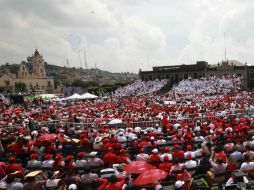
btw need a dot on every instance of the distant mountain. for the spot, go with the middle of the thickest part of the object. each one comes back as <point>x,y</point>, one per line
<point>66,75</point>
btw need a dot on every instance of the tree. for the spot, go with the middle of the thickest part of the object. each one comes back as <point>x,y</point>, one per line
<point>20,87</point>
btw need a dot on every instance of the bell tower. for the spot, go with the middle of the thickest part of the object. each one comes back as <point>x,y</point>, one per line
<point>38,65</point>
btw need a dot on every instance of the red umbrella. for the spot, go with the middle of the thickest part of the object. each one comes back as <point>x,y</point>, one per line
<point>150,176</point>
<point>137,167</point>
<point>47,137</point>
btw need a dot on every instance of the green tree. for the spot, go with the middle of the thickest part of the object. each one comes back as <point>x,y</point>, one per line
<point>20,87</point>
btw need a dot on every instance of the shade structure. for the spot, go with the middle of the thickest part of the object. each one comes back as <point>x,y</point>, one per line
<point>115,121</point>
<point>46,96</point>
<point>88,96</point>
<point>137,167</point>
<point>47,137</point>
<point>150,176</point>
<point>74,97</point>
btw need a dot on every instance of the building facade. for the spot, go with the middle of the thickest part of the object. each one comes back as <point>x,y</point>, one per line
<point>201,69</point>
<point>34,79</point>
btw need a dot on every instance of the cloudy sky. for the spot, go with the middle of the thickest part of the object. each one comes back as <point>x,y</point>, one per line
<point>127,35</point>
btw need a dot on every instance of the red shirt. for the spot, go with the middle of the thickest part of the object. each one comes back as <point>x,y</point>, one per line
<point>115,186</point>
<point>13,167</point>
<point>110,158</point>
<point>178,154</point>
<point>166,166</point>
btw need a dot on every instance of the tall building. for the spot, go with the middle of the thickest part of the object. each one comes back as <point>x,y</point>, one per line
<point>201,69</point>
<point>35,79</point>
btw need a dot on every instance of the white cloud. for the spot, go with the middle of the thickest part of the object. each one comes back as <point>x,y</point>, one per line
<point>126,35</point>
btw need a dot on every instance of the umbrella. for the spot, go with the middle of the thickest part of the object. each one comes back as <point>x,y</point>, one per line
<point>115,121</point>
<point>137,167</point>
<point>47,137</point>
<point>150,176</point>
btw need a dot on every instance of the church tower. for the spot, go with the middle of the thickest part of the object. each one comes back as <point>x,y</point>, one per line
<point>38,65</point>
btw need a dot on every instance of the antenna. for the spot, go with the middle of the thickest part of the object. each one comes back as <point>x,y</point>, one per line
<point>225,47</point>
<point>80,59</point>
<point>86,67</point>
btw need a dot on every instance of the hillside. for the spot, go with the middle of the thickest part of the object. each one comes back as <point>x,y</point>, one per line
<point>66,75</point>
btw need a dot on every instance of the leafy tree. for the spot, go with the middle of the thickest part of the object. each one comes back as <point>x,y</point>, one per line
<point>20,87</point>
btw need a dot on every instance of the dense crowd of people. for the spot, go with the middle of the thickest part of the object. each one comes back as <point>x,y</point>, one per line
<point>208,86</point>
<point>72,145</point>
<point>140,87</point>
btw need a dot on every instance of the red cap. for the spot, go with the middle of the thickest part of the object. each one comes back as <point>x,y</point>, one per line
<point>122,151</point>
<point>12,159</point>
<point>81,154</point>
<point>69,157</point>
<point>166,148</point>
<point>48,156</point>
<point>176,146</point>
<point>33,156</point>
<point>189,147</point>
<point>59,157</point>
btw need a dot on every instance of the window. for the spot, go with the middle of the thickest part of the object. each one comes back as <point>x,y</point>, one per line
<point>251,74</point>
<point>49,83</point>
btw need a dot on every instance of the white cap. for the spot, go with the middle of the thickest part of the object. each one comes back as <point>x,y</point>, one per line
<point>73,187</point>
<point>179,184</point>
<point>155,151</point>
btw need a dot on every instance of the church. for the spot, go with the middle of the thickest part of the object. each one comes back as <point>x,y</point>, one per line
<point>35,79</point>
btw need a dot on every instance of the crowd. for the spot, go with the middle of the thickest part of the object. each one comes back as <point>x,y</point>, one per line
<point>140,87</point>
<point>205,142</point>
<point>208,86</point>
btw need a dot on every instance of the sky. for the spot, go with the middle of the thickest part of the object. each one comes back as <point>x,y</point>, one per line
<point>127,35</point>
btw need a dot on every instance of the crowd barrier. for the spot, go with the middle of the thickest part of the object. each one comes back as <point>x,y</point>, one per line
<point>143,122</point>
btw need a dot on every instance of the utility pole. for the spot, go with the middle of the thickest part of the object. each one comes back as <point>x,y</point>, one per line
<point>67,63</point>
<point>80,59</point>
<point>85,61</point>
<point>225,47</point>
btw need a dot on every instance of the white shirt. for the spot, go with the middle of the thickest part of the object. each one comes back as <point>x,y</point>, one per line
<point>247,166</point>
<point>189,152</point>
<point>191,164</point>
<point>165,154</point>
<point>47,163</point>
<point>81,163</point>
<point>231,181</point>
<point>142,156</point>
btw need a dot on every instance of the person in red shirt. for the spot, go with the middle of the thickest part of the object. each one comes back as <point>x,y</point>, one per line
<point>110,158</point>
<point>123,158</point>
<point>155,157</point>
<point>115,183</point>
<point>177,153</point>
<point>220,154</point>
<point>166,165</point>
<point>116,145</point>
<point>13,167</point>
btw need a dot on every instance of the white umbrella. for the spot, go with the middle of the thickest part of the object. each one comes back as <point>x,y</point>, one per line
<point>88,96</point>
<point>73,97</point>
<point>115,121</point>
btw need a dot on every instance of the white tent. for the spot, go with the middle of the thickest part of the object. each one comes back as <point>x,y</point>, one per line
<point>88,96</point>
<point>74,97</point>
